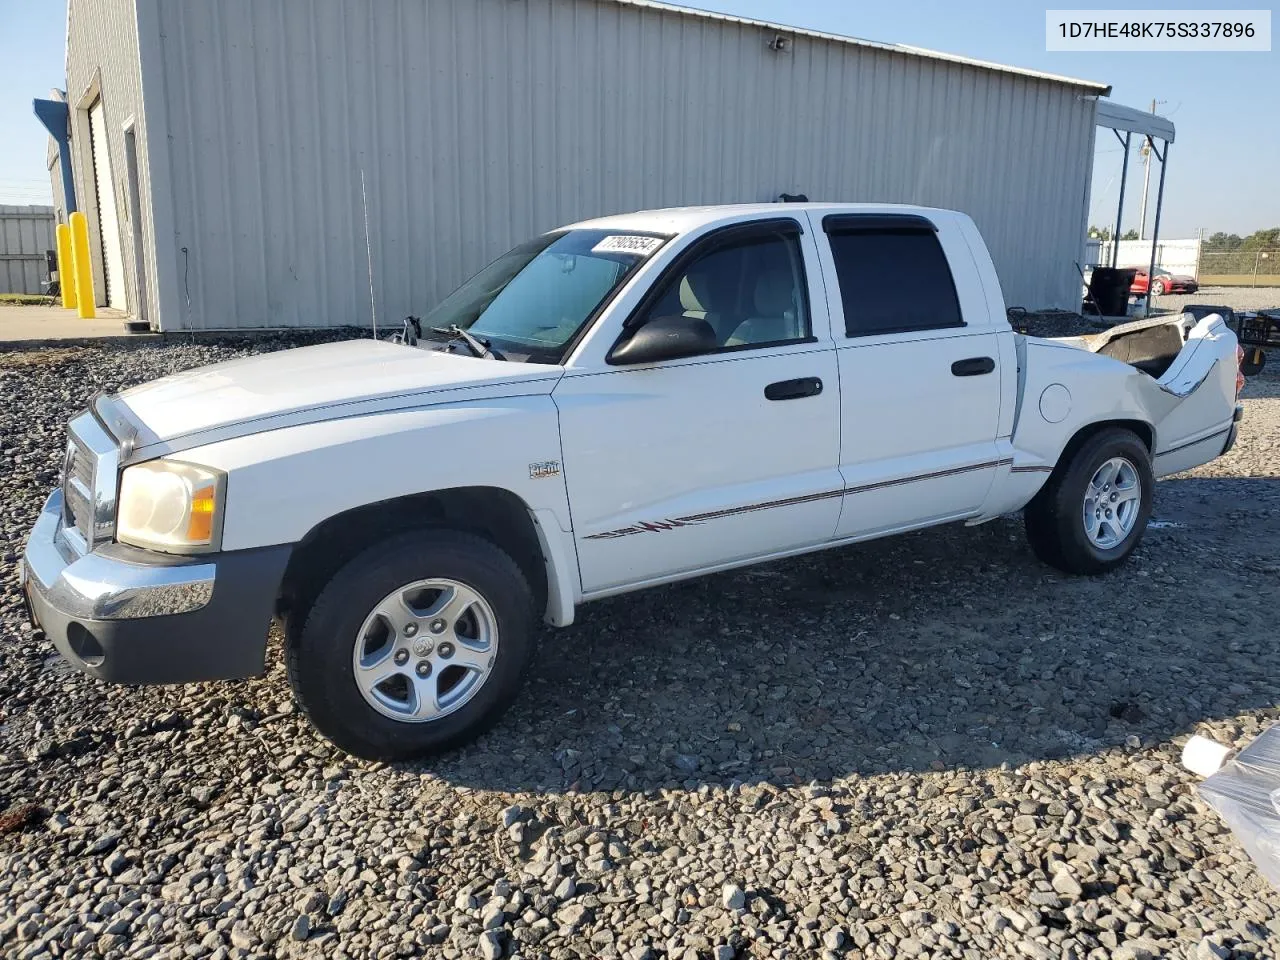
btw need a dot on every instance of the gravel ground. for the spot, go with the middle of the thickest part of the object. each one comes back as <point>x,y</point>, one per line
<point>929,746</point>
<point>1238,298</point>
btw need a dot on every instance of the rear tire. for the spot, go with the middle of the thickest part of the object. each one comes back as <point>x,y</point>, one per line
<point>1092,512</point>
<point>1157,288</point>
<point>397,609</point>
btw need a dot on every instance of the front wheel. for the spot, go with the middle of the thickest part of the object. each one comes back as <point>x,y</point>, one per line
<point>1092,513</point>
<point>1157,288</point>
<point>415,646</point>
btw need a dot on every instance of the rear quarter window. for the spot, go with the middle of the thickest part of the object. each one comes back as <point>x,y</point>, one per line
<point>893,280</point>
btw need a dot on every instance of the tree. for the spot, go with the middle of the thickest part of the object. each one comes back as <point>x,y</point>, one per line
<point>1099,233</point>
<point>1130,235</point>
<point>1258,240</point>
<point>1262,240</point>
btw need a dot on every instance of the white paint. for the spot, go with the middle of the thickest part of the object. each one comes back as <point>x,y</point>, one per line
<point>658,442</point>
<point>276,390</point>
<point>682,467</point>
<point>284,482</point>
<point>686,438</point>
<point>1055,403</point>
<point>108,216</point>
<point>903,414</point>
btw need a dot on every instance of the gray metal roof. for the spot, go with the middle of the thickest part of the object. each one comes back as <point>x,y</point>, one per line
<point>1101,89</point>
<point>1119,117</point>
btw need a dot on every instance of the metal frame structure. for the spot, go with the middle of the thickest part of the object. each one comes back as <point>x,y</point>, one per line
<point>1153,127</point>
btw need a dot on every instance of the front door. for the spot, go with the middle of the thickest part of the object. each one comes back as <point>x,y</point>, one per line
<point>704,461</point>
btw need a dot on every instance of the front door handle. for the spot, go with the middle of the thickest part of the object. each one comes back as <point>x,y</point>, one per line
<point>973,367</point>
<point>793,389</point>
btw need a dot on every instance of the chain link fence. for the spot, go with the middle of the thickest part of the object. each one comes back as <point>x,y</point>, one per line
<point>1240,268</point>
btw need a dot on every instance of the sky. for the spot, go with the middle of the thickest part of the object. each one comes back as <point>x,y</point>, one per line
<point>1224,168</point>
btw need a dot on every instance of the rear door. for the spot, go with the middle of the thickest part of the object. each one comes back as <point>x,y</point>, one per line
<point>919,372</point>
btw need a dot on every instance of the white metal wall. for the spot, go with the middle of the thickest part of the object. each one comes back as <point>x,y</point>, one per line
<point>26,235</point>
<point>1172,256</point>
<point>480,122</point>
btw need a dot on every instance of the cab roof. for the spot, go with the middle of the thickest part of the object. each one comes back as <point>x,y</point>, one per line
<point>677,220</point>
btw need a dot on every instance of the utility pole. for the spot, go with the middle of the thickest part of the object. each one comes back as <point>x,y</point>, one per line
<point>1146,179</point>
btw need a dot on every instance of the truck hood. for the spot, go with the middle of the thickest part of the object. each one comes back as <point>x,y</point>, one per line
<point>305,385</point>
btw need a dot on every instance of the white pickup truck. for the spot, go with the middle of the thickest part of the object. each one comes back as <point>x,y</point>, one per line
<point>613,405</point>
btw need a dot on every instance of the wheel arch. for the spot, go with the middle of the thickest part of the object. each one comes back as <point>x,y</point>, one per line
<point>1144,430</point>
<point>494,513</point>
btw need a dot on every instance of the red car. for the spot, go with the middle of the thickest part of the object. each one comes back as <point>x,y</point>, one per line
<point>1164,283</point>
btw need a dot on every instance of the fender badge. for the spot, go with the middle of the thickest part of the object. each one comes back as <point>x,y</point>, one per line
<point>544,469</point>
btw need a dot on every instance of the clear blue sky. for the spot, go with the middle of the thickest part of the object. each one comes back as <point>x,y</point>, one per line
<point>1224,170</point>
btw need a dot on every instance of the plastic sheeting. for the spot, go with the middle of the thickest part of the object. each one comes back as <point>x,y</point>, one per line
<point>1246,792</point>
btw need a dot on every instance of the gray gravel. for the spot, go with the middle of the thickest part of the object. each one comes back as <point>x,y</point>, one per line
<point>1237,298</point>
<point>930,746</point>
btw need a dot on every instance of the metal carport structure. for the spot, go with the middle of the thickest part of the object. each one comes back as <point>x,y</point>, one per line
<point>1119,118</point>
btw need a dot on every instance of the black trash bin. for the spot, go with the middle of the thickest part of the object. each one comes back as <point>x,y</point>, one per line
<point>1109,289</point>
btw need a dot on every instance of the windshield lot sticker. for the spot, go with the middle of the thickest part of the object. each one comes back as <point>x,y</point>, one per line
<point>628,243</point>
<point>544,469</point>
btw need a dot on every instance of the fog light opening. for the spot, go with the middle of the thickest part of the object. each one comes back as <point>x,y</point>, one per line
<point>85,645</point>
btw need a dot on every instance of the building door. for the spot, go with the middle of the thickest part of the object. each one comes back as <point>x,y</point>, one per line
<point>108,216</point>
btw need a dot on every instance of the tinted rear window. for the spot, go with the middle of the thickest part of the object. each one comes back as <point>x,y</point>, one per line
<point>893,280</point>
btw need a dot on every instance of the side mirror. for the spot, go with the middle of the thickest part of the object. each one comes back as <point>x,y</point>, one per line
<point>666,338</point>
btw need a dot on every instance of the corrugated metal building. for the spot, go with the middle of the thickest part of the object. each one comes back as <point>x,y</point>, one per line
<point>223,143</point>
<point>26,237</point>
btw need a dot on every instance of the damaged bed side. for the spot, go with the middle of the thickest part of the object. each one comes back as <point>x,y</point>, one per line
<point>1174,379</point>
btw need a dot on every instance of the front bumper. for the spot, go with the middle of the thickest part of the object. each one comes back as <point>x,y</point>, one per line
<point>134,616</point>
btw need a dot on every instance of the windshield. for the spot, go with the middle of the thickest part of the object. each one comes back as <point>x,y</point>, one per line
<point>533,300</point>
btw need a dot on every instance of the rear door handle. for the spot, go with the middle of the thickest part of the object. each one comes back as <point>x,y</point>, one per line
<point>793,389</point>
<point>973,366</point>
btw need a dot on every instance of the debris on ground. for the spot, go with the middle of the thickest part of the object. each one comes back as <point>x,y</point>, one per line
<point>19,817</point>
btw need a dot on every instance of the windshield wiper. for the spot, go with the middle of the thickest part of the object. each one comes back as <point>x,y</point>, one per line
<point>477,346</point>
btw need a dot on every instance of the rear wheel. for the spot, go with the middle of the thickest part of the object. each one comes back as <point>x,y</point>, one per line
<point>1157,288</point>
<point>1092,513</point>
<point>416,646</point>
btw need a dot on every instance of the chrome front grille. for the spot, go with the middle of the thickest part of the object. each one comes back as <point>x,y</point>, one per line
<point>82,465</point>
<point>77,488</point>
<point>89,475</point>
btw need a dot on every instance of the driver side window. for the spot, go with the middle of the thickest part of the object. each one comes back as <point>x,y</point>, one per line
<point>750,290</point>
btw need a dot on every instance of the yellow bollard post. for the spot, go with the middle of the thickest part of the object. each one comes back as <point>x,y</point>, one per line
<point>80,264</point>
<point>66,270</point>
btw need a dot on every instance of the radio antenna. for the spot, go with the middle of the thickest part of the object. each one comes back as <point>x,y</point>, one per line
<point>368,249</point>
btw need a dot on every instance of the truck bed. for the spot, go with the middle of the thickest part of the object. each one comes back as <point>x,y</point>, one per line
<point>1153,345</point>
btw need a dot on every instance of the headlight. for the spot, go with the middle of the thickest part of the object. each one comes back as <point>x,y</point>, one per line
<point>170,506</point>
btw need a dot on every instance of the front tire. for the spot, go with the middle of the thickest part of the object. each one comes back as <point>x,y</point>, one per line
<point>1157,288</point>
<point>1092,512</point>
<point>414,647</point>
